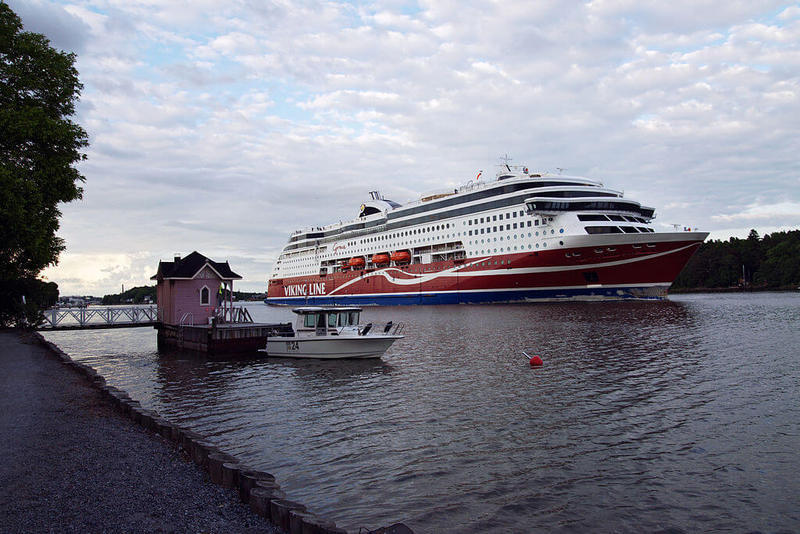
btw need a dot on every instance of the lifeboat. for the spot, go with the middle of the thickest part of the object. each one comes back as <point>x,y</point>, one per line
<point>356,262</point>
<point>380,259</point>
<point>401,256</point>
<point>345,265</point>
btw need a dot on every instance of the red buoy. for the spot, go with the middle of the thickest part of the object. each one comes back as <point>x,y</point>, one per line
<point>536,362</point>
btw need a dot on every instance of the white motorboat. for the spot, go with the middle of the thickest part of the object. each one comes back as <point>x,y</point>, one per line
<point>329,332</point>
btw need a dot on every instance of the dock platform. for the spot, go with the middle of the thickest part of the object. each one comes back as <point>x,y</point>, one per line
<point>222,339</point>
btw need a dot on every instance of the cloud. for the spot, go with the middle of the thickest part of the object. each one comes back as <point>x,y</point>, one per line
<point>65,30</point>
<point>760,212</point>
<point>223,127</point>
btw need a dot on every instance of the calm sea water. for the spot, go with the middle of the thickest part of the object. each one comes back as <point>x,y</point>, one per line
<point>681,415</point>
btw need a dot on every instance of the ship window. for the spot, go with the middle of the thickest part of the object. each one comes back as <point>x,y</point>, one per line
<point>332,320</point>
<point>529,224</point>
<point>515,226</point>
<point>310,320</point>
<point>603,230</point>
<point>515,214</point>
<point>481,220</point>
<point>494,217</point>
<point>508,227</point>
<point>629,230</point>
<point>592,217</point>
<point>494,228</point>
<point>501,216</point>
<point>616,217</point>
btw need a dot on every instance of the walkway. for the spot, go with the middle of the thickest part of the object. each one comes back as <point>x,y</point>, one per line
<point>70,463</point>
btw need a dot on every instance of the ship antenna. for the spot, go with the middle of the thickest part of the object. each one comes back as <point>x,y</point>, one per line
<point>506,160</point>
<point>560,169</point>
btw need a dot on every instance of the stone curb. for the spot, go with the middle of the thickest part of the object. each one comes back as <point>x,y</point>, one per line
<point>256,488</point>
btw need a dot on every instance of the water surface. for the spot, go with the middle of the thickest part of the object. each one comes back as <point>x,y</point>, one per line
<point>680,415</point>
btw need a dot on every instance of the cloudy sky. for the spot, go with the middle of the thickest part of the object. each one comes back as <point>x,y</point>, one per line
<point>222,126</point>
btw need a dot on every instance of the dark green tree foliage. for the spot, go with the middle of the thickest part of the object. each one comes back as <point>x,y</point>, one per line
<point>134,294</point>
<point>39,145</point>
<point>770,263</point>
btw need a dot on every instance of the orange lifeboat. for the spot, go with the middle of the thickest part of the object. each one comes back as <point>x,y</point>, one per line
<point>380,259</point>
<point>401,256</point>
<point>356,262</point>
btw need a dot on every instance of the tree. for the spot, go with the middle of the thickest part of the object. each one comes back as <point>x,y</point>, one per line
<point>39,146</point>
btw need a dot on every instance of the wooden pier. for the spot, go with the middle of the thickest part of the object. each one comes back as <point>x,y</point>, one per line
<point>99,317</point>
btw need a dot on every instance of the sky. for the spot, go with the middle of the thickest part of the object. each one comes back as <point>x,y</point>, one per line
<point>223,126</point>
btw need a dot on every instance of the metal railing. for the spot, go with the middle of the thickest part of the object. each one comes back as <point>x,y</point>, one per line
<point>235,314</point>
<point>56,318</point>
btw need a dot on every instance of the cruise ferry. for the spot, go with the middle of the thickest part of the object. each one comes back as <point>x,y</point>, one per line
<point>522,236</point>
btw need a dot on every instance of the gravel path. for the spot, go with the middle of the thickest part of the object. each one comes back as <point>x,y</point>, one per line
<point>70,463</point>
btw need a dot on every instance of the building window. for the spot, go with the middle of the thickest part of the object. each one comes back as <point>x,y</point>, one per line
<point>204,296</point>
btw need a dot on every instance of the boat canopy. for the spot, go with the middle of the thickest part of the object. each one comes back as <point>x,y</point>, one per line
<point>305,310</point>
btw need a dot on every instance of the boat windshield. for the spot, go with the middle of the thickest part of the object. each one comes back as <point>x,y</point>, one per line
<point>335,319</point>
<point>344,319</point>
<point>310,320</point>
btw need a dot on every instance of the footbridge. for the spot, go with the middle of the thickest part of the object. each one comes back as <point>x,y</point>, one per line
<point>99,317</point>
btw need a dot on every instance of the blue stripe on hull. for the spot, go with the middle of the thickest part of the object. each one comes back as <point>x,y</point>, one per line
<point>481,297</point>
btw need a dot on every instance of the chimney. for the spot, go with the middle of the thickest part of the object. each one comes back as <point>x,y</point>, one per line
<point>177,257</point>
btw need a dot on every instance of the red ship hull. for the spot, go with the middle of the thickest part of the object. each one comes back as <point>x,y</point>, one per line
<point>639,270</point>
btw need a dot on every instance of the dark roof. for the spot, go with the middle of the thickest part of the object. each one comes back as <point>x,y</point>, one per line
<point>188,267</point>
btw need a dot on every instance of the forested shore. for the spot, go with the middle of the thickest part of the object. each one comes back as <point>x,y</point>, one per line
<point>768,262</point>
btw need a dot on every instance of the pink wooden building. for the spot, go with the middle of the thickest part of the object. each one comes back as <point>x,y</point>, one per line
<point>193,289</point>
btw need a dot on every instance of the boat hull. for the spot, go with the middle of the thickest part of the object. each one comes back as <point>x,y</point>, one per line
<point>593,268</point>
<point>332,347</point>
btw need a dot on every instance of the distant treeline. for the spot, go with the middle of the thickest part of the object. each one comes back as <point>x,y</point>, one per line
<point>138,295</point>
<point>771,262</point>
<point>135,295</point>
